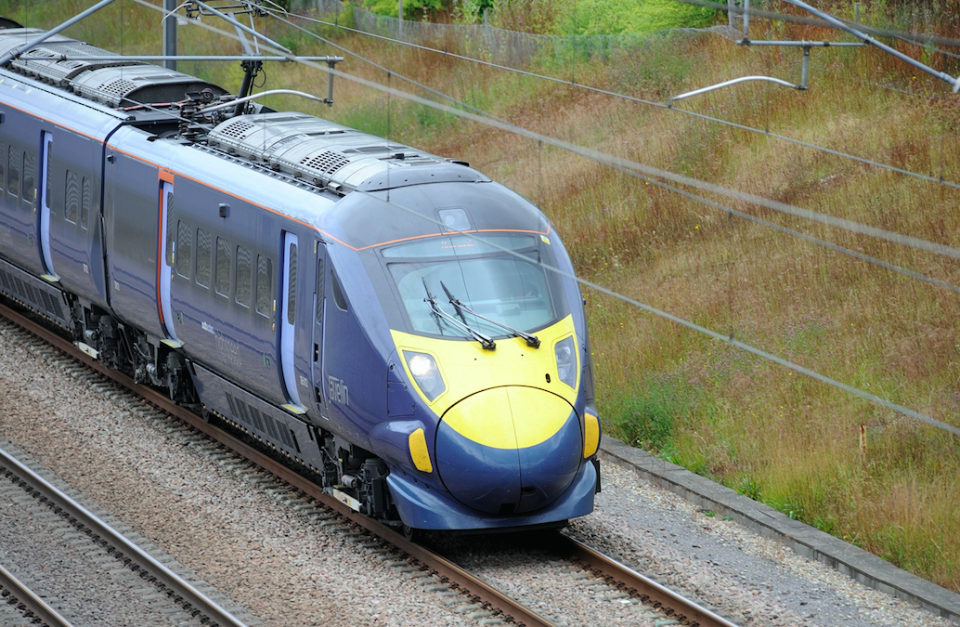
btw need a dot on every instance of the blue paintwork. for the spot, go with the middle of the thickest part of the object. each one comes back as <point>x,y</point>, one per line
<point>486,478</point>
<point>436,509</point>
<point>77,131</point>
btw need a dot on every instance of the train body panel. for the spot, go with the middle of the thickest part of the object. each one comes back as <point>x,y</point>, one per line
<point>382,316</point>
<point>50,180</point>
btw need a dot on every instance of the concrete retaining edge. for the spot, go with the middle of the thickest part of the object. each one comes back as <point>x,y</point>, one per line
<point>803,539</point>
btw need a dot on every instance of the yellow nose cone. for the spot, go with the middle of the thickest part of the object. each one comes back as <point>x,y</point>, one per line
<point>509,417</point>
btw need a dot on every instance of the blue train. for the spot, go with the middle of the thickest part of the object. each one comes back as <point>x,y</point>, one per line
<point>374,314</point>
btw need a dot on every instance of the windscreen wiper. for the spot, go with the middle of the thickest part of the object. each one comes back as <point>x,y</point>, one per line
<point>485,341</point>
<point>532,340</point>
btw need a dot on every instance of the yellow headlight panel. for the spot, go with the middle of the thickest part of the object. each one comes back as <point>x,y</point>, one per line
<point>591,435</point>
<point>467,368</point>
<point>418,451</point>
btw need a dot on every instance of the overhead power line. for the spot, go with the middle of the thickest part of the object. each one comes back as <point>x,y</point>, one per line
<point>648,308</point>
<point>635,99</point>
<point>745,216</point>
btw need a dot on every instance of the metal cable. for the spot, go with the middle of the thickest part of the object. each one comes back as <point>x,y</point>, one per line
<point>647,170</point>
<point>650,103</point>
<point>603,290</point>
<point>873,398</point>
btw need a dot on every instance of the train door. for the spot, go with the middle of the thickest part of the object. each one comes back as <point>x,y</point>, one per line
<point>46,156</point>
<point>288,314</point>
<point>166,251</point>
<point>318,305</point>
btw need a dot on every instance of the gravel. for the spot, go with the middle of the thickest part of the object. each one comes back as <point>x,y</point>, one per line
<point>260,544</point>
<point>50,556</point>
<point>728,568</point>
<point>236,528</point>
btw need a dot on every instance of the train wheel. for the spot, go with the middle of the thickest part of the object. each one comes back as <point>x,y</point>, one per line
<point>412,534</point>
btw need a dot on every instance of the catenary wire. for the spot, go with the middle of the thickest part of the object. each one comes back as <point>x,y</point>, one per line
<point>653,310</point>
<point>766,223</point>
<point>612,160</point>
<point>730,211</point>
<point>652,171</point>
<point>728,339</point>
<point>635,99</point>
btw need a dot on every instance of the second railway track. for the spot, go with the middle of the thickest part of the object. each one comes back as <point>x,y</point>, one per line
<point>463,592</point>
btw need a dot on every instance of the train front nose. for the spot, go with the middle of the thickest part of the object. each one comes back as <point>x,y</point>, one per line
<point>509,450</point>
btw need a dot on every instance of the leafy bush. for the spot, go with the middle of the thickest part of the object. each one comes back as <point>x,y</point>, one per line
<point>412,9</point>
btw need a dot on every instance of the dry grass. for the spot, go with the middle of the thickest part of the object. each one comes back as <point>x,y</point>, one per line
<point>776,436</point>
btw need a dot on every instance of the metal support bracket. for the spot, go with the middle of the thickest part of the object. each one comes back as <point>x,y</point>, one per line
<point>804,68</point>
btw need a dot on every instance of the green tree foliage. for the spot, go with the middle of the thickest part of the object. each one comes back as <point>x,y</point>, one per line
<point>412,9</point>
<point>611,17</point>
<point>583,17</point>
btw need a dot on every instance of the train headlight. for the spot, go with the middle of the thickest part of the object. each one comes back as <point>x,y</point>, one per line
<point>425,373</point>
<point>566,361</point>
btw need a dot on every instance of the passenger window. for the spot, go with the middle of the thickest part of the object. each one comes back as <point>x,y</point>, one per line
<point>320,291</point>
<point>292,282</point>
<point>185,248</point>
<point>13,183</point>
<point>223,267</point>
<point>3,166</point>
<point>264,286</point>
<point>85,202</point>
<point>204,254</point>
<point>338,296</point>
<point>29,180</point>
<point>244,276</point>
<point>73,197</point>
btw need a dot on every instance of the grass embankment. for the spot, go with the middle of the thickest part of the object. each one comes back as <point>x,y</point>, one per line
<point>775,436</point>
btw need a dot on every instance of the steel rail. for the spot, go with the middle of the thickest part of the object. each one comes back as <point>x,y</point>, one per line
<point>641,587</point>
<point>197,599</point>
<point>31,601</point>
<point>647,590</point>
<point>473,587</point>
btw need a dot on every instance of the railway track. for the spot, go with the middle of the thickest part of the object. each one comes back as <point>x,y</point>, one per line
<point>479,599</point>
<point>130,555</point>
<point>29,603</point>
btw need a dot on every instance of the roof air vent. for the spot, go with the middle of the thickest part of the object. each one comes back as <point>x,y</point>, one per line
<point>327,162</point>
<point>237,129</point>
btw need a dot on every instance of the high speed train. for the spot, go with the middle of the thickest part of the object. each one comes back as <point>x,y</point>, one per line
<point>384,318</point>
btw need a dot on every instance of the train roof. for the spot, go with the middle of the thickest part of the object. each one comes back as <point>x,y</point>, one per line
<point>117,82</point>
<point>305,149</point>
<point>332,155</point>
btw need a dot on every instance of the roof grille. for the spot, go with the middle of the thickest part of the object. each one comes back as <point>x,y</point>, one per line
<point>237,129</point>
<point>118,87</point>
<point>327,162</point>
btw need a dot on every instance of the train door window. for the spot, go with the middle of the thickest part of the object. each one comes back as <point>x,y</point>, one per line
<point>3,166</point>
<point>184,249</point>
<point>204,254</point>
<point>223,267</point>
<point>85,201</point>
<point>292,295</point>
<point>338,296</point>
<point>171,242</point>
<point>264,286</point>
<point>72,206</point>
<point>244,276</point>
<point>13,183</point>
<point>47,169</point>
<point>29,193</point>
<point>320,289</point>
